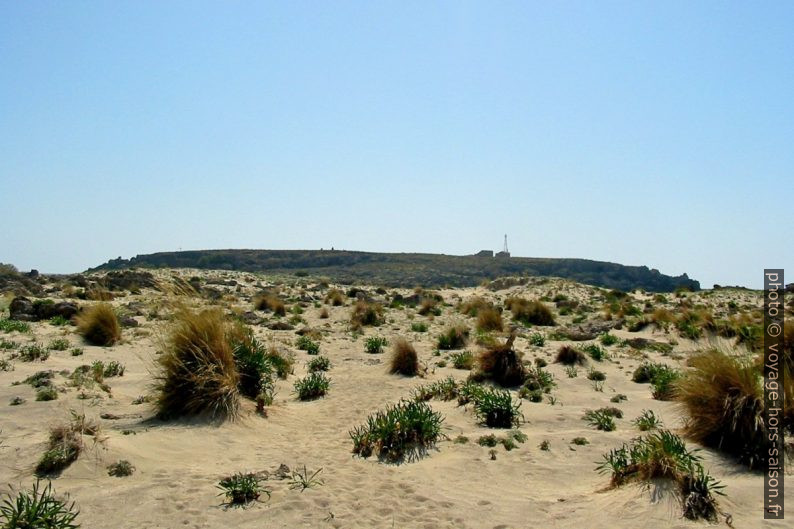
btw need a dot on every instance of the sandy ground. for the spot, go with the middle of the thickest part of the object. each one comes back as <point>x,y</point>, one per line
<point>179,463</point>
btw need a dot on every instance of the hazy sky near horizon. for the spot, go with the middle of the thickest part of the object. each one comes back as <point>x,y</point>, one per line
<point>644,133</point>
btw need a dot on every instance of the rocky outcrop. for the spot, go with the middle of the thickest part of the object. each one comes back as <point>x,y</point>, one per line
<point>23,309</point>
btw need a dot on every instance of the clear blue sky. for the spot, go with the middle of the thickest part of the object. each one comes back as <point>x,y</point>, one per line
<point>655,133</point>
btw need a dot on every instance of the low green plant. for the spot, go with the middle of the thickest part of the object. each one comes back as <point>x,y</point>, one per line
<point>608,339</point>
<point>59,344</point>
<point>305,343</point>
<point>462,359</point>
<point>404,430</point>
<point>7,345</point>
<point>663,455</point>
<point>446,389</point>
<point>537,339</point>
<point>33,352</point>
<point>419,327</point>
<point>240,489</point>
<point>303,480</point>
<point>121,468</point>
<point>375,344</point>
<point>571,371</point>
<point>313,386</point>
<point>37,509</point>
<point>46,393</point>
<point>76,351</point>
<point>596,352</point>
<point>59,321</point>
<point>14,326</point>
<point>594,374</point>
<point>600,419</point>
<point>580,441</point>
<point>488,440</point>
<point>454,337</point>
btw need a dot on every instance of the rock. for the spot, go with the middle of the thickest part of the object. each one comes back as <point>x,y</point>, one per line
<point>250,318</point>
<point>128,321</point>
<point>283,471</point>
<point>280,326</point>
<point>33,274</point>
<point>590,330</point>
<point>128,280</point>
<point>21,308</point>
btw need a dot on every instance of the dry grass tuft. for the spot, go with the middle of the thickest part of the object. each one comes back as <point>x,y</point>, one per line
<point>530,312</point>
<point>270,302</point>
<point>365,313</point>
<point>335,297</point>
<point>501,364</point>
<point>723,398</point>
<point>198,373</point>
<point>404,360</point>
<point>99,325</point>
<point>569,356</point>
<point>489,319</point>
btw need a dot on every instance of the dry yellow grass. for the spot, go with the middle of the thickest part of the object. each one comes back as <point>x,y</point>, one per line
<point>99,325</point>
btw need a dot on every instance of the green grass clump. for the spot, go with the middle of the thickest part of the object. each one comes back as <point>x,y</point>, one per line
<point>495,407</point>
<point>76,351</point>
<point>375,344</point>
<point>254,365</point>
<point>402,431</point>
<point>600,419</point>
<point>197,370</point>
<point>596,353</point>
<point>59,321</point>
<point>46,393</point>
<point>37,509</point>
<point>537,339</point>
<point>65,445</point>
<point>240,488</point>
<point>446,389</point>
<point>312,387</point>
<point>663,455</point>
<point>462,360</point>
<point>305,343</point>
<point>455,337</point>
<point>321,363</point>
<point>489,440</point>
<point>7,325</point>
<point>647,421</point>
<point>580,441</point>
<point>608,339</point>
<point>419,327</point>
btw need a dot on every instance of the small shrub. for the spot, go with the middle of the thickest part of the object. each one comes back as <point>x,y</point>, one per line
<point>313,386</point>
<point>406,429</point>
<point>33,352</point>
<point>58,344</point>
<point>46,393</point>
<point>120,469</point>
<point>404,360</point>
<point>569,356</point>
<point>580,441</point>
<point>240,488</point>
<point>335,297</point>
<point>99,325</point>
<point>620,397</point>
<point>539,380</point>
<point>489,440</point>
<point>594,374</point>
<point>65,445</point>
<point>455,337</point>
<point>321,363</point>
<point>59,321</point>
<point>76,351</point>
<point>545,445</point>
<point>663,383</point>
<point>37,508</point>
<point>375,344</point>
<point>40,379</point>
<point>462,360</point>
<point>446,389</point>
<point>571,371</point>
